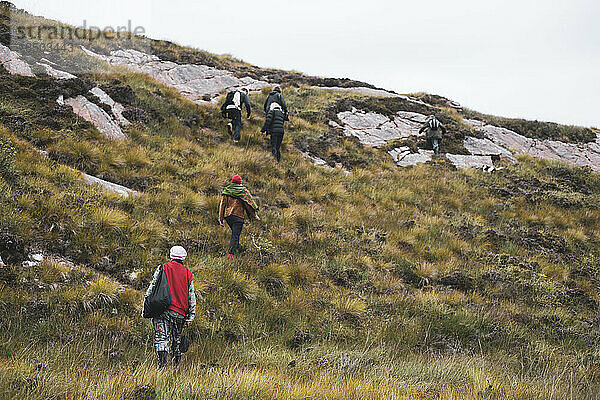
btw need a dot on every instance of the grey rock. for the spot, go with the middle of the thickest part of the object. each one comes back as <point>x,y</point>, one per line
<point>483,147</point>
<point>112,187</point>
<point>95,115</point>
<point>362,90</point>
<point>404,158</point>
<point>469,161</point>
<point>55,73</point>
<point>376,93</point>
<point>117,108</point>
<point>92,180</point>
<point>36,257</point>
<point>194,81</point>
<point>370,128</point>
<point>29,264</point>
<point>374,130</point>
<point>11,60</point>
<point>584,155</point>
<point>2,263</point>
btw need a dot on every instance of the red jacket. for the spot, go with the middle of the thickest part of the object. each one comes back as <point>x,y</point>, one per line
<point>179,279</point>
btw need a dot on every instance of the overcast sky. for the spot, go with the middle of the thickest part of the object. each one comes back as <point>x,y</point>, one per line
<point>536,59</point>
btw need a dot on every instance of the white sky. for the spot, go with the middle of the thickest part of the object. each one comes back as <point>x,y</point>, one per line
<point>536,59</point>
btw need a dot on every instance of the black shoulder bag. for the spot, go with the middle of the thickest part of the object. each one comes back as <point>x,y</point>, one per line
<point>160,298</point>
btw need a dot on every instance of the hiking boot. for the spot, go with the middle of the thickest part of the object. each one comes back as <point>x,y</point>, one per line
<point>230,129</point>
<point>237,251</point>
<point>163,358</point>
<point>230,256</point>
<point>236,141</point>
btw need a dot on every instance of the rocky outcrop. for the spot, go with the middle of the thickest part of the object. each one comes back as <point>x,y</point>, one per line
<point>55,73</point>
<point>583,155</point>
<point>104,122</point>
<point>199,83</point>
<point>111,187</point>
<point>117,108</point>
<point>405,158</point>
<point>482,147</point>
<point>461,161</point>
<point>95,115</point>
<point>362,90</point>
<point>11,60</point>
<point>375,130</point>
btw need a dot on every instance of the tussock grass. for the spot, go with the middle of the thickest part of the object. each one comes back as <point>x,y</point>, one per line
<point>383,283</point>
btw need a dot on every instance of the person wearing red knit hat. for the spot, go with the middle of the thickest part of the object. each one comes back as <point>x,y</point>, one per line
<point>236,202</point>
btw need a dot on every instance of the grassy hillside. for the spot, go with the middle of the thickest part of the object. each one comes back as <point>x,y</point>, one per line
<point>424,282</point>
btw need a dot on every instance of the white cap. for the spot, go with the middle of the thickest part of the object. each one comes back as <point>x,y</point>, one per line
<point>178,253</point>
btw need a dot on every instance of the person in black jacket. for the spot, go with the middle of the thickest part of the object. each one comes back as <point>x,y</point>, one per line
<point>274,126</point>
<point>232,109</point>
<point>275,97</point>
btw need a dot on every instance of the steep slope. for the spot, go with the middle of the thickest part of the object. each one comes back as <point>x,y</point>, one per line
<point>364,280</point>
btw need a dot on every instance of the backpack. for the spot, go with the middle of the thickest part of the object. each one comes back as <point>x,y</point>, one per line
<point>160,298</point>
<point>434,123</point>
<point>229,99</point>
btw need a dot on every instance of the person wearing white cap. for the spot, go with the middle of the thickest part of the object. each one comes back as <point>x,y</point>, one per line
<point>168,327</point>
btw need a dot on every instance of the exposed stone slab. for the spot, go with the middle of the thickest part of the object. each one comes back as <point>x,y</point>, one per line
<point>404,158</point>
<point>469,161</point>
<point>55,73</point>
<point>95,115</point>
<point>316,160</point>
<point>482,147</point>
<point>11,60</point>
<point>111,187</point>
<point>117,108</point>
<point>362,90</point>
<point>373,129</point>
<point>584,155</point>
<point>197,82</point>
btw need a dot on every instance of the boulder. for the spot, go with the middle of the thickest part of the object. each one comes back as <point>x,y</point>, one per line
<point>95,115</point>
<point>112,187</point>
<point>404,158</point>
<point>11,60</point>
<point>55,73</point>
<point>116,108</point>
<point>469,161</point>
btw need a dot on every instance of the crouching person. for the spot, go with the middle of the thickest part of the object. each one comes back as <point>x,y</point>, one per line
<point>169,324</point>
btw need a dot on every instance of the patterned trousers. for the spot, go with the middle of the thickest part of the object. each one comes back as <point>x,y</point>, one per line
<point>168,328</point>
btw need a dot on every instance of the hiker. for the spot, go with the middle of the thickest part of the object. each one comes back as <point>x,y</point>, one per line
<point>232,109</point>
<point>235,201</point>
<point>168,326</point>
<point>275,97</point>
<point>434,129</point>
<point>274,126</point>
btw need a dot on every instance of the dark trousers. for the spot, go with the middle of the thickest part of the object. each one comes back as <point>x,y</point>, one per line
<point>235,116</point>
<point>168,329</point>
<point>434,142</point>
<point>276,140</point>
<point>236,224</point>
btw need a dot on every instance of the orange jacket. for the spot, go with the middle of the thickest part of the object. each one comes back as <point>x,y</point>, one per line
<point>234,206</point>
